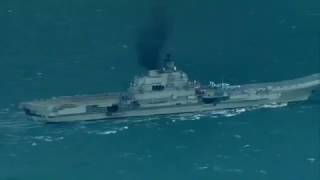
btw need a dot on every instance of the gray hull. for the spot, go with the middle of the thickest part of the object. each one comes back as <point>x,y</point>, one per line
<point>279,92</point>
<point>169,91</point>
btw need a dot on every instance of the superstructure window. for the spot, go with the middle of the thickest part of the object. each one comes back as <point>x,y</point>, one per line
<point>157,87</point>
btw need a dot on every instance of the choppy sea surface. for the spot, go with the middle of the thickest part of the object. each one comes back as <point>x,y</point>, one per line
<point>84,47</point>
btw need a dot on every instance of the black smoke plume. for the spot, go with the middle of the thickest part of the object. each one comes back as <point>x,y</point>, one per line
<point>152,39</point>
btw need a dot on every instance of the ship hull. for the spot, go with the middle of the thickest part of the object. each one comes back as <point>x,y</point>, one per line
<point>286,97</point>
<point>277,93</point>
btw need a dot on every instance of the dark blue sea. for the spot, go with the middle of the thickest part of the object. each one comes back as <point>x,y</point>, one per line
<point>72,47</point>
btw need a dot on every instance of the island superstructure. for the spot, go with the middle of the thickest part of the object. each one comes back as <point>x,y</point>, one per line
<point>169,91</point>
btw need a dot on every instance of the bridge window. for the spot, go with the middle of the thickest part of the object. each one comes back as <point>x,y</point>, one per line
<point>157,87</point>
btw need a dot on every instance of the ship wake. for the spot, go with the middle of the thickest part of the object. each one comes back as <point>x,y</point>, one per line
<point>223,113</point>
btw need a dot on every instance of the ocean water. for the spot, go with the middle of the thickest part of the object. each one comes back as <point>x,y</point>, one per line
<point>53,48</point>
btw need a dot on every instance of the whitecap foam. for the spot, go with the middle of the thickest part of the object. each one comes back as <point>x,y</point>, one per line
<point>229,113</point>
<point>263,172</point>
<point>201,166</point>
<point>39,74</point>
<point>122,128</point>
<point>240,110</point>
<point>237,136</point>
<point>107,132</point>
<point>17,121</point>
<point>186,117</point>
<point>274,105</point>
<point>311,160</point>
<point>47,138</point>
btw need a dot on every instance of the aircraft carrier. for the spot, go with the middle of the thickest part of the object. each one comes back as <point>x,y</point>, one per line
<point>169,91</point>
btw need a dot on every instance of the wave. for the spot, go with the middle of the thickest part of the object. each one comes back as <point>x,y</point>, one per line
<point>274,105</point>
<point>16,127</point>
